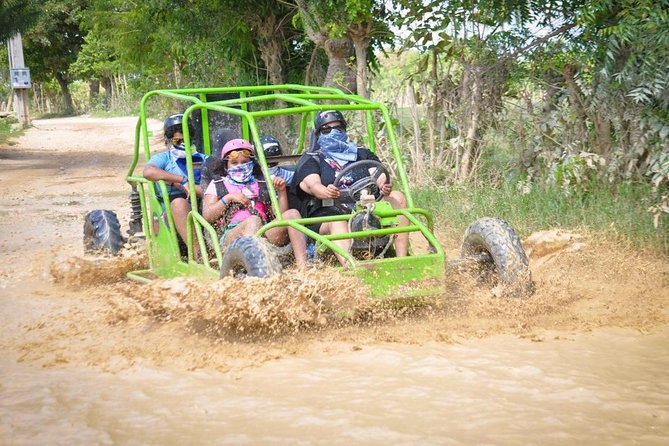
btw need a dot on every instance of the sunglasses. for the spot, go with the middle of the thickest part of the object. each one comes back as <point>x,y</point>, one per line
<point>326,130</point>
<point>239,153</point>
<point>177,141</point>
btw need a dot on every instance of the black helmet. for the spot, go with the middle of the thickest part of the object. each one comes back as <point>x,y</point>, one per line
<point>326,117</point>
<point>174,124</point>
<point>271,146</point>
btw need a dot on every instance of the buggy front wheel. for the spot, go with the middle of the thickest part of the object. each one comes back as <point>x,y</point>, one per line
<point>250,256</point>
<point>498,252</point>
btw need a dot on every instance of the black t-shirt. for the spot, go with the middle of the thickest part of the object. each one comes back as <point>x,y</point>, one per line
<point>325,167</point>
<point>328,169</point>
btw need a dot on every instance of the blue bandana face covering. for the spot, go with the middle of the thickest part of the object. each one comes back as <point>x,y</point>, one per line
<point>241,173</point>
<point>335,145</point>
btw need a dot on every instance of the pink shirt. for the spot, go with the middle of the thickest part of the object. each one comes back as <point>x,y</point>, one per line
<point>251,191</point>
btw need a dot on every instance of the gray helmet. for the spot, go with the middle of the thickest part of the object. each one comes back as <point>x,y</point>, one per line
<point>326,117</point>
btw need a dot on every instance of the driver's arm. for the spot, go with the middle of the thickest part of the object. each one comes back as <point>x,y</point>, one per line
<point>313,186</point>
<point>155,173</point>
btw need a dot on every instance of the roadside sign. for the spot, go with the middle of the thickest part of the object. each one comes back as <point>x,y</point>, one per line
<point>20,78</point>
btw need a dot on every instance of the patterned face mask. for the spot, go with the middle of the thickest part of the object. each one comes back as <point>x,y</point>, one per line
<point>178,151</point>
<point>335,144</point>
<point>241,173</point>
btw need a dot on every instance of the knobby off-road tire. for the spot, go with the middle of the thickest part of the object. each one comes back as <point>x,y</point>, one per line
<point>506,257</point>
<point>102,233</point>
<point>250,256</point>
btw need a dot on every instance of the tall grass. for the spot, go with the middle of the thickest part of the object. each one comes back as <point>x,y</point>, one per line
<point>619,213</point>
<point>7,132</point>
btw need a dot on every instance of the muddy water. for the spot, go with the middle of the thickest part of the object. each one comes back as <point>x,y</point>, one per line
<point>86,358</point>
<point>608,387</point>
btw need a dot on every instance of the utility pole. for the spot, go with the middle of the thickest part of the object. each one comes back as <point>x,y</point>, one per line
<point>20,79</point>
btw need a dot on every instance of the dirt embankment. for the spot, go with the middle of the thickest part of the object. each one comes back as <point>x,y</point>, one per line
<point>58,308</point>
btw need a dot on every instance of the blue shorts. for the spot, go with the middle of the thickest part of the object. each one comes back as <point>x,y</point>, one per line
<point>227,230</point>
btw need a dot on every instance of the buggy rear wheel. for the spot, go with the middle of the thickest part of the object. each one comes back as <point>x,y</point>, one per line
<point>498,252</point>
<point>250,256</point>
<point>102,232</point>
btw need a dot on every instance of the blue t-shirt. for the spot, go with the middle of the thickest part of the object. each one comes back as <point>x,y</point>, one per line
<point>282,172</point>
<point>177,166</point>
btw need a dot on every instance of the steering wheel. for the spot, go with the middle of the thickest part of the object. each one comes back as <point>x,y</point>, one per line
<point>366,181</point>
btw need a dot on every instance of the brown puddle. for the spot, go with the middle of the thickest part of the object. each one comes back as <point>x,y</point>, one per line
<point>91,358</point>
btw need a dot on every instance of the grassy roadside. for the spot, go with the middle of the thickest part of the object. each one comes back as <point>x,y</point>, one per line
<point>619,214</point>
<point>6,131</point>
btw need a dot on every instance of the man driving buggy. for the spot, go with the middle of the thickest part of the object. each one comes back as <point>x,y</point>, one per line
<point>331,153</point>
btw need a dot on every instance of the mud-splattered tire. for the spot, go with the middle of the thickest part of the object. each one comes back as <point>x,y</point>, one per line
<point>250,256</point>
<point>505,258</point>
<point>102,233</point>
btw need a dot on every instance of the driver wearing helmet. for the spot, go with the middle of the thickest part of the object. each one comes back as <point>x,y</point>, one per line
<point>332,151</point>
<point>170,166</point>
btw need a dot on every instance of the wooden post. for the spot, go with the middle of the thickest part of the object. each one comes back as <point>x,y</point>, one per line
<point>20,92</point>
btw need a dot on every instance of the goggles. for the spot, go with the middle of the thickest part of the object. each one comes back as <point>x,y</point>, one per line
<point>177,141</point>
<point>325,130</point>
<point>239,153</point>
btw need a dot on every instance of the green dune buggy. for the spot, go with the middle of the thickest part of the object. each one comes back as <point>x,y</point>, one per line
<point>287,112</point>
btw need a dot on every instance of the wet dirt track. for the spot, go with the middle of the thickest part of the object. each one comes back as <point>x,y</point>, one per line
<point>88,358</point>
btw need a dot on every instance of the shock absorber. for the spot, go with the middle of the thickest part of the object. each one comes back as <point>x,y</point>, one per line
<point>135,222</point>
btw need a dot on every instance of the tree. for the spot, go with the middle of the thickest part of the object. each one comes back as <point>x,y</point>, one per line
<point>17,16</point>
<point>53,42</point>
<point>344,30</point>
<point>468,48</point>
<point>97,63</point>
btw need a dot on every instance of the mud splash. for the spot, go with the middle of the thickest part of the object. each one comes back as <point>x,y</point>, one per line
<point>231,308</point>
<point>565,266</point>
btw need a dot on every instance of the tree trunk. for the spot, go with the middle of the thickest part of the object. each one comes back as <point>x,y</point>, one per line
<point>359,34</point>
<point>107,85</point>
<point>432,108</point>
<point>603,131</point>
<point>340,74</point>
<point>577,103</point>
<point>93,92</point>
<point>65,90</point>
<point>176,73</point>
<point>415,148</point>
<point>472,130</point>
<point>269,44</point>
<point>270,40</point>
<point>310,67</point>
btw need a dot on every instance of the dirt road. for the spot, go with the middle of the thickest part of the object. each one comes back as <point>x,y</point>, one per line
<point>89,358</point>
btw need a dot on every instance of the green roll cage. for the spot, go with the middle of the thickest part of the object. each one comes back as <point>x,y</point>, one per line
<point>386,277</point>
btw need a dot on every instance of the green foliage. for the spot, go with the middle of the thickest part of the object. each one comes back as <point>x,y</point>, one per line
<point>577,172</point>
<point>96,60</point>
<point>17,16</point>
<point>619,212</point>
<point>51,45</point>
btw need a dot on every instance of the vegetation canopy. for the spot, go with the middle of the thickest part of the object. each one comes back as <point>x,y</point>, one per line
<point>569,96</point>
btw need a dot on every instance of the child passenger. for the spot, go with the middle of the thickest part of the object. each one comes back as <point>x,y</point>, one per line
<point>238,202</point>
